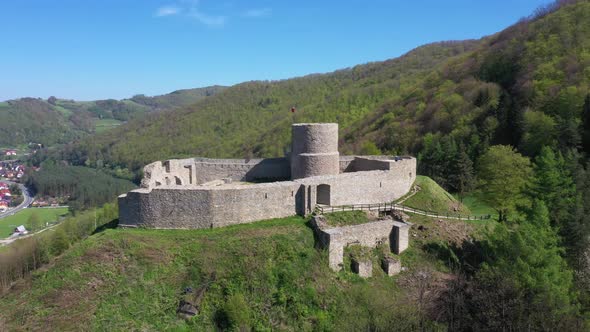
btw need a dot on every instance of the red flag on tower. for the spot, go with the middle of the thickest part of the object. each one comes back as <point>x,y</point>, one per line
<point>292,109</point>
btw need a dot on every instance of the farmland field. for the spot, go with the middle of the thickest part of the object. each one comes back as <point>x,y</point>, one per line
<point>8,224</point>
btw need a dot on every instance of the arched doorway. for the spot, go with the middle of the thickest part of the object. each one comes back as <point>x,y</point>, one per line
<point>323,194</point>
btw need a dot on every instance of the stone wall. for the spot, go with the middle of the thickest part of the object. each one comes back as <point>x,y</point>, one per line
<point>166,208</point>
<point>196,171</point>
<point>365,187</point>
<point>370,234</point>
<point>348,163</point>
<point>208,207</point>
<point>194,206</point>
<point>197,193</point>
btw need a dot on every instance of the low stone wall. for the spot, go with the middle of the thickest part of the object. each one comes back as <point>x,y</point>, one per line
<point>370,234</point>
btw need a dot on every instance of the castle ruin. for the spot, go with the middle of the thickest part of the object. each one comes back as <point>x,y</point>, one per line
<point>206,193</point>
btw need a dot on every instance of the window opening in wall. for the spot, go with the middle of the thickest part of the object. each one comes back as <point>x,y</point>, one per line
<point>410,174</point>
<point>323,194</point>
<point>178,181</point>
<point>167,166</point>
<point>380,184</point>
<point>167,181</point>
<point>265,195</point>
<point>190,173</point>
<point>292,193</point>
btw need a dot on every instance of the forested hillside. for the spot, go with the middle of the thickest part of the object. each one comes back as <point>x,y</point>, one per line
<point>253,118</point>
<point>62,121</point>
<point>524,86</point>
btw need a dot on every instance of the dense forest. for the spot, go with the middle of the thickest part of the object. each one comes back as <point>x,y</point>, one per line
<point>82,187</point>
<point>56,120</point>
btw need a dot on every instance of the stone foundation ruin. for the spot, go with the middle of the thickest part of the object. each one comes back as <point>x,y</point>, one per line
<point>206,193</point>
<point>389,230</point>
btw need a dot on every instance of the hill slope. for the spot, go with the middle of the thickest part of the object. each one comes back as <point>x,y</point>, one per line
<point>62,121</point>
<point>508,88</point>
<point>265,275</point>
<point>432,197</point>
<point>253,118</point>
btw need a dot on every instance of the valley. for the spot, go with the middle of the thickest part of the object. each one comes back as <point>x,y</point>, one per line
<point>283,204</point>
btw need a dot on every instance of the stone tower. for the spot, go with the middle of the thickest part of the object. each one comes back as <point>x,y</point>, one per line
<point>314,150</point>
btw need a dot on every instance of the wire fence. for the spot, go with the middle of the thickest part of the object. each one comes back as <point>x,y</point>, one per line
<point>387,207</point>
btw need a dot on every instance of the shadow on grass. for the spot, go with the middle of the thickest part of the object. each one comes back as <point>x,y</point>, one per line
<point>467,257</point>
<point>317,241</point>
<point>110,225</point>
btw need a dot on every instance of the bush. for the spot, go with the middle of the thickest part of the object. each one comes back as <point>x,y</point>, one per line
<point>235,313</point>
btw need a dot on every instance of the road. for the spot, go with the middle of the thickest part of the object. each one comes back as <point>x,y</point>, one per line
<point>26,201</point>
<point>9,240</point>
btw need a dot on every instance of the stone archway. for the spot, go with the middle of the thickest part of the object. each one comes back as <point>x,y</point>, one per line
<point>323,194</point>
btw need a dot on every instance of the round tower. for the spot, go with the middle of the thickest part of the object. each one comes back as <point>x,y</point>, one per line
<point>314,150</point>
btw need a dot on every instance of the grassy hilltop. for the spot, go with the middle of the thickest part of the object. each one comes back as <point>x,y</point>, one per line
<point>267,275</point>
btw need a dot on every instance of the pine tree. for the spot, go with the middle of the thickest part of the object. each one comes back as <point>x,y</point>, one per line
<point>553,184</point>
<point>528,254</point>
<point>462,176</point>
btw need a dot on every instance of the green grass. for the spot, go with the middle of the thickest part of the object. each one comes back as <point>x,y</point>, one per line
<point>262,276</point>
<point>106,124</point>
<point>8,224</point>
<point>477,206</point>
<point>345,218</point>
<point>432,197</point>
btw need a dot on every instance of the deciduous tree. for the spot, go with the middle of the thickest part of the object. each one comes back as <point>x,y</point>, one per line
<point>503,176</point>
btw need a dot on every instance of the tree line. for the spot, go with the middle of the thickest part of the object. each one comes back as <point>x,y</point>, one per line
<point>82,187</point>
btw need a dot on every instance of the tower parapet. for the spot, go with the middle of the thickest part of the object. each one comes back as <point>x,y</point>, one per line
<point>314,150</point>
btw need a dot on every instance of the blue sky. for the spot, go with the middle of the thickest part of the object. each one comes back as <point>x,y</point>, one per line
<point>94,49</point>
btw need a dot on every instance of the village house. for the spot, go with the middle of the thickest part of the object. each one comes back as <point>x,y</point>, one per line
<point>10,152</point>
<point>40,203</point>
<point>12,170</point>
<point>20,230</point>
